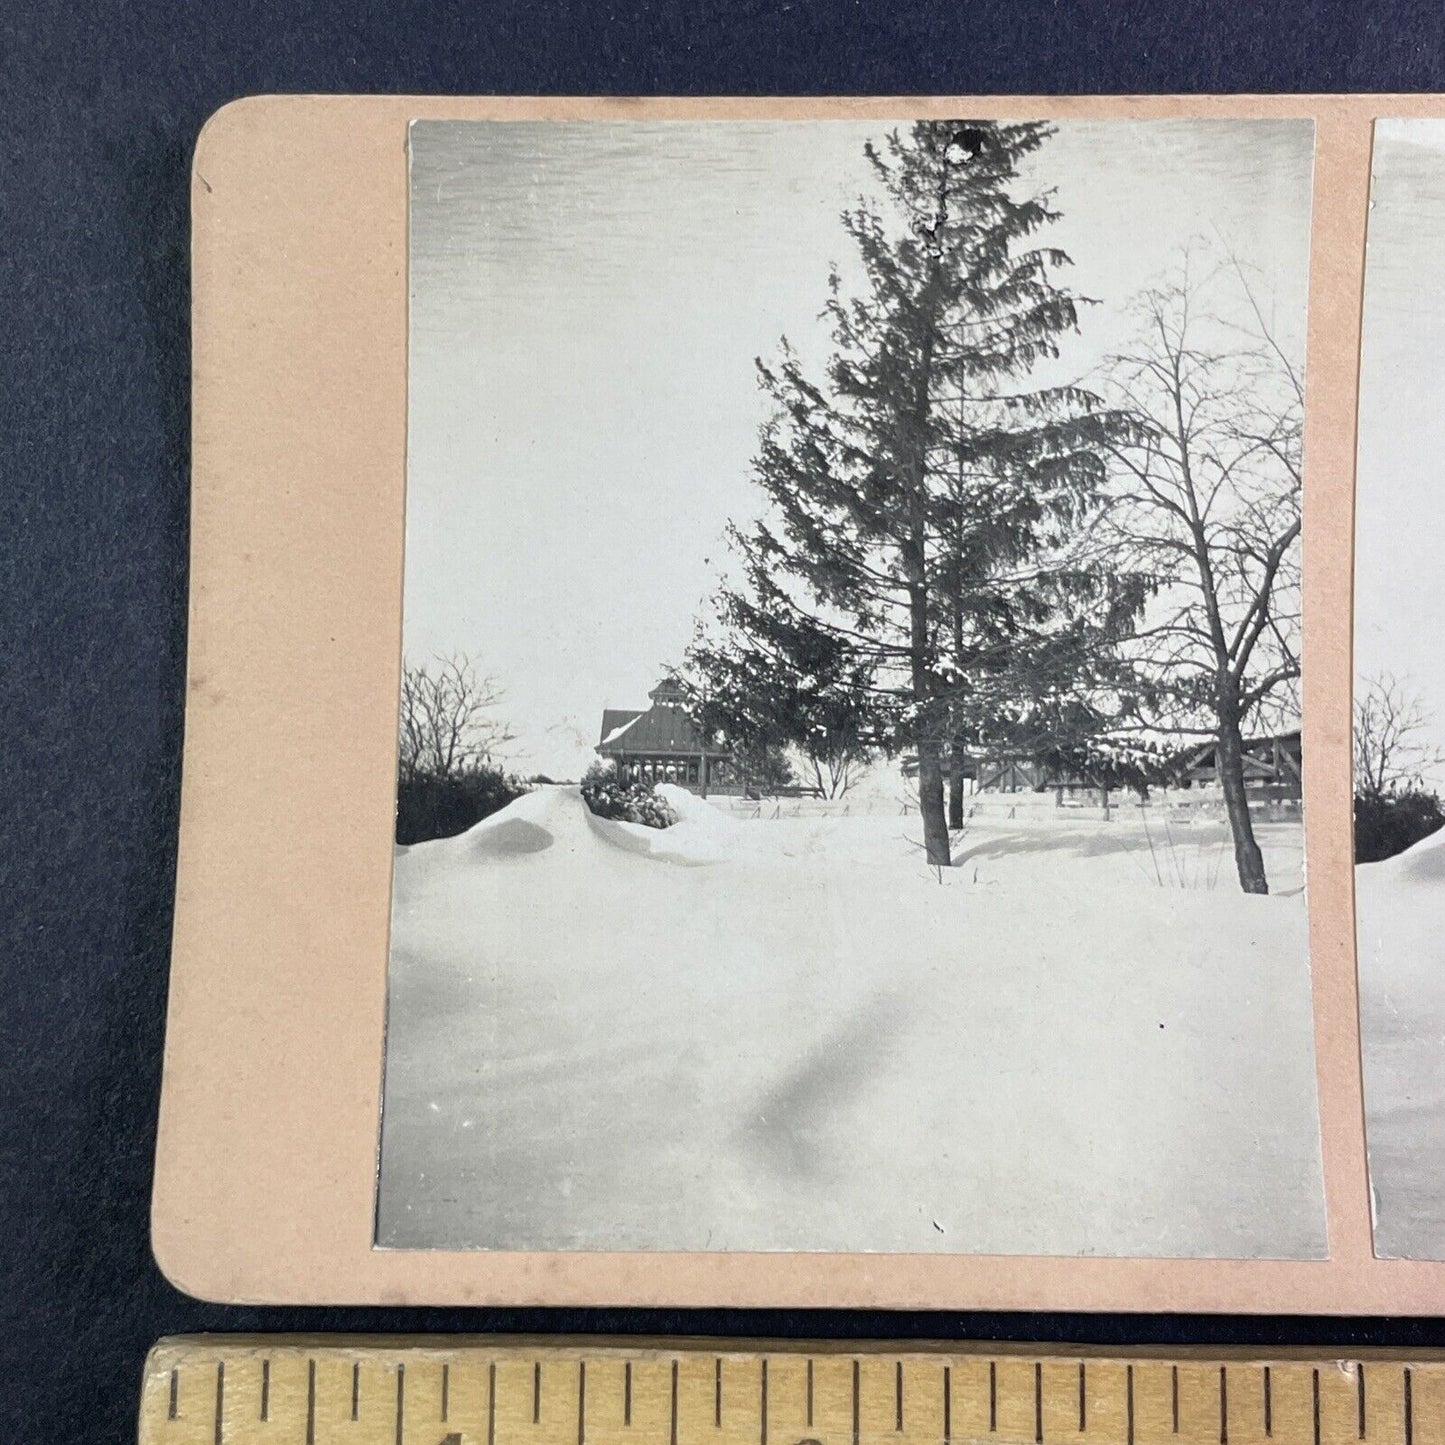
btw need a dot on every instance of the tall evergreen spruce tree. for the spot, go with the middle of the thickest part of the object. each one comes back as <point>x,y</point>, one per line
<point>926,505</point>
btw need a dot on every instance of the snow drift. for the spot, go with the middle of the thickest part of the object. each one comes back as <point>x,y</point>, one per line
<point>792,1035</point>
<point>1401,951</point>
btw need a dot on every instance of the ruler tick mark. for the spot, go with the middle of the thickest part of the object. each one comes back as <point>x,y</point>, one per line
<point>536,1391</point>
<point>355,1388</point>
<point>763,1403</point>
<point>1038,1403</point>
<point>810,1394</point>
<point>1409,1411</point>
<point>1269,1403</point>
<point>265,1389</point>
<point>717,1393</point>
<point>446,1390</point>
<point>1083,1401</point>
<point>174,1403</point>
<point>898,1396</point>
<point>492,1403</point>
<point>627,1393</point>
<point>1129,1403</point>
<point>581,1402</point>
<point>1223,1406</point>
<point>855,1402</point>
<point>400,1401</point>
<point>672,1429</point>
<point>1360,1396</point>
<point>310,1402</point>
<point>1315,1390</point>
<point>992,1399</point>
<point>220,1398</point>
<point>1174,1394</point>
<point>947,1405</point>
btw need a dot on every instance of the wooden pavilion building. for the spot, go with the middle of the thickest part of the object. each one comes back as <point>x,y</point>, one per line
<point>661,745</point>
<point>1273,767</point>
<point>1273,771</point>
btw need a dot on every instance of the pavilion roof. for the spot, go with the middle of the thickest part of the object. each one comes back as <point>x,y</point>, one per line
<point>661,730</point>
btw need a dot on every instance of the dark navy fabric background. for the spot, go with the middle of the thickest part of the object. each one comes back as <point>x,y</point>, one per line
<point>101,105</point>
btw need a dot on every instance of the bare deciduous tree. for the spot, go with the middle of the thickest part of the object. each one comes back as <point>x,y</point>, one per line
<point>446,724</point>
<point>1209,504</point>
<point>833,771</point>
<point>1392,752</point>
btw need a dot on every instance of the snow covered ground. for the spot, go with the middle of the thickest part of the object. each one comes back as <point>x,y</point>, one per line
<point>791,1034</point>
<point>1402,1017</point>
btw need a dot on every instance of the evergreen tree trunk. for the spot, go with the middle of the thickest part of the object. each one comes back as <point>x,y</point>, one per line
<point>955,788</point>
<point>1248,860</point>
<point>930,764</point>
<point>955,746</point>
<point>930,802</point>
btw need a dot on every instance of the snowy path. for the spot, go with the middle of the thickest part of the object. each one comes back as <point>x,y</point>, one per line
<point>1402,1017</point>
<point>773,1036</point>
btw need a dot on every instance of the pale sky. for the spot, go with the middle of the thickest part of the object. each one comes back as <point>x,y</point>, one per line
<point>587,300</point>
<point>1400,477</point>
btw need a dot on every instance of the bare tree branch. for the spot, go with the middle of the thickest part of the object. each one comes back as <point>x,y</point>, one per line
<point>445,723</point>
<point>1392,750</point>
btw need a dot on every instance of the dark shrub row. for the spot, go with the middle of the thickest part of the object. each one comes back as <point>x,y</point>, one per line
<point>429,807</point>
<point>1390,823</point>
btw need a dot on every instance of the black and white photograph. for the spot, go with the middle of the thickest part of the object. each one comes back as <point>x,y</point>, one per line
<point>1399,702</point>
<point>849,737</point>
